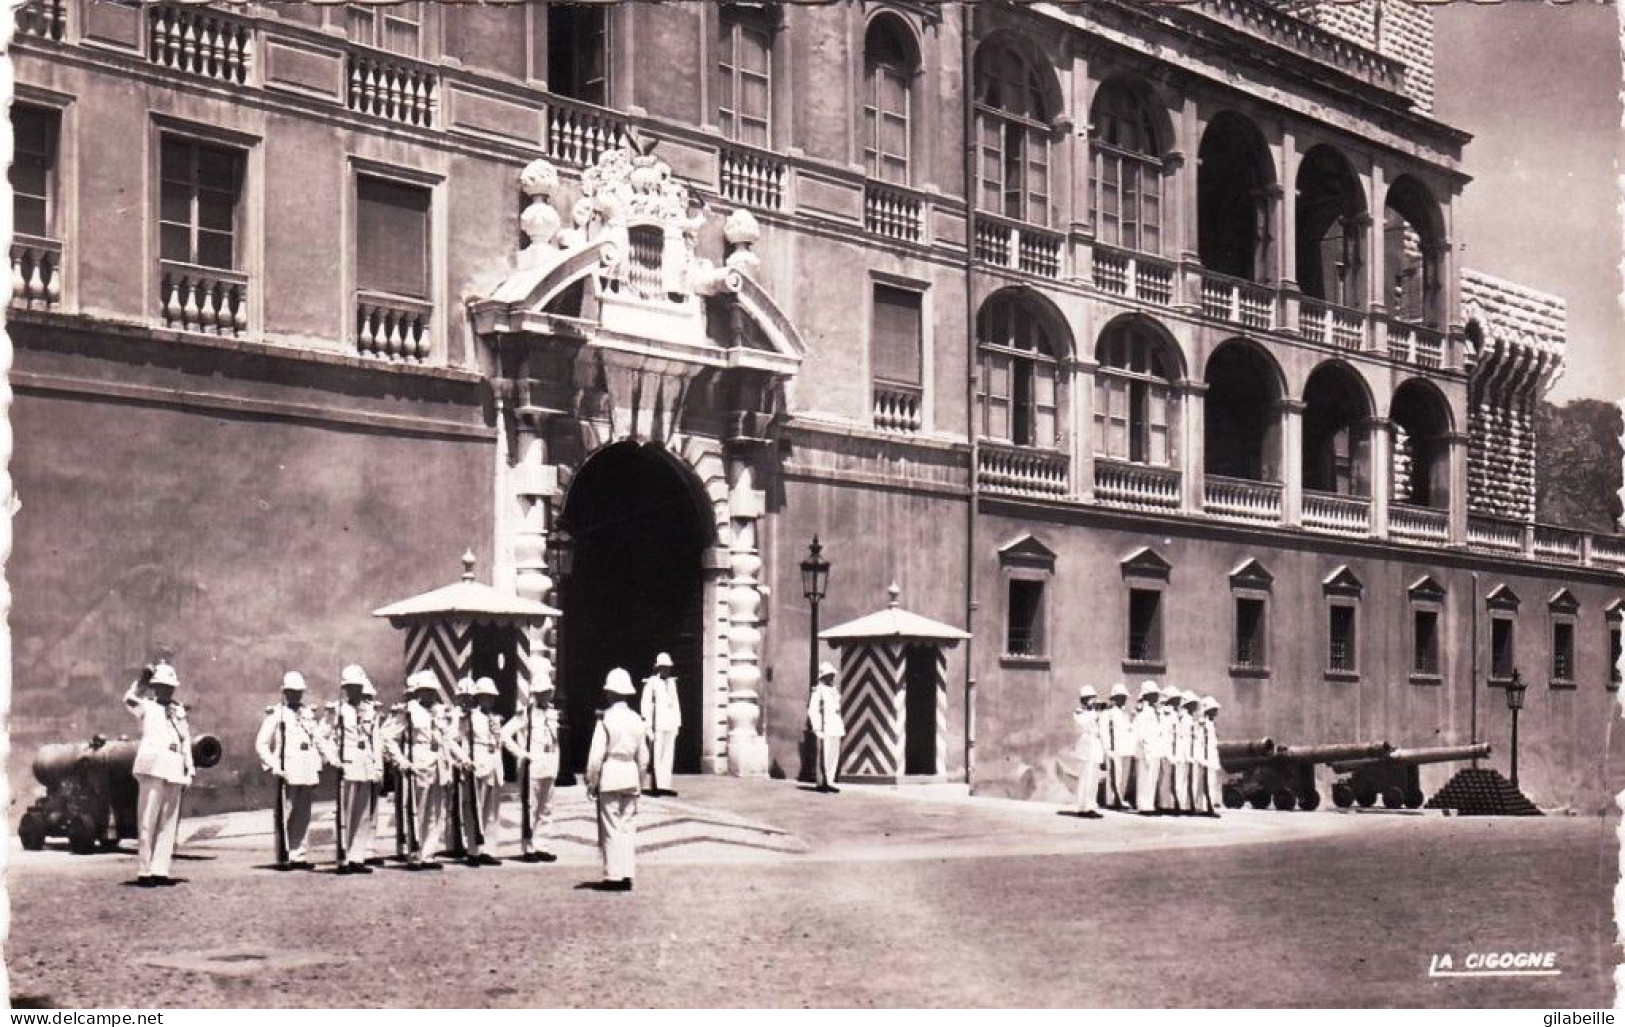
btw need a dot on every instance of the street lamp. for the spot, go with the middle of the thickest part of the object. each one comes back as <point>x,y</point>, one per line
<point>560,555</point>
<point>1515,689</point>
<point>814,581</point>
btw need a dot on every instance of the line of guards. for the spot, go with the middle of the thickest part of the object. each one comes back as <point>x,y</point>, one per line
<point>1164,757</point>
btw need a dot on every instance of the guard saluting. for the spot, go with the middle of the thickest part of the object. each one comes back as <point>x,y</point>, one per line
<point>288,749</point>
<point>484,773</point>
<point>532,737</point>
<point>163,768</point>
<point>619,741</point>
<point>824,717</point>
<point>664,715</point>
<point>353,747</point>
<point>1088,751</point>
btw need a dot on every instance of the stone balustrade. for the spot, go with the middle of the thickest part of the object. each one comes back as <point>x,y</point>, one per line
<point>1608,550</point>
<point>36,273</point>
<point>1335,514</point>
<point>1134,275</point>
<point>1415,344</point>
<point>1418,523</point>
<point>1020,471</point>
<point>392,88</point>
<point>1269,22</point>
<point>1494,533</point>
<point>393,328</point>
<point>751,177</point>
<point>577,133</point>
<point>892,213</point>
<point>1553,543</point>
<point>1330,324</point>
<point>1136,486</point>
<point>897,407</point>
<point>1236,499</point>
<point>1019,246</point>
<point>1237,301</point>
<point>43,19</point>
<point>202,299</point>
<point>200,41</point>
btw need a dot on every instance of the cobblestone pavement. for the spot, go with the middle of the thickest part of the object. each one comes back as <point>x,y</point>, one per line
<point>764,893</point>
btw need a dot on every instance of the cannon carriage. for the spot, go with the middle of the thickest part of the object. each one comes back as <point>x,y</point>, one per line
<point>1395,778</point>
<point>1284,775</point>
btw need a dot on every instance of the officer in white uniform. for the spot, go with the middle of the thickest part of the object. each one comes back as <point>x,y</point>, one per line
<point>1187,783</point>
<point>664,715</point>
<point>485,774</point>
<point>289,747</point>
<point>1089,752</point>
<point>352,744</point>
<point>1149,750</point>
<point>619,743</point>
<point>1117,733</point>
<point>824,719</point>
<point>532,737</point>
<point>1173,746</point>
<point>1212,773</point>
<point>163,768</point>
<point>417,744</point>
<point>371,709</point>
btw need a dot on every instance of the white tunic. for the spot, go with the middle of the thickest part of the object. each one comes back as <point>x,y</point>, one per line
<point>661,710</point>
<point>165,751</point>
<point>534,734</point>
<point>290,741</point>
<point>824,712</point>
<point>618,742</point>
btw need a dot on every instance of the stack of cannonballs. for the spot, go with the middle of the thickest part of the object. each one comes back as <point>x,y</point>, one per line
<point>1482,792</point>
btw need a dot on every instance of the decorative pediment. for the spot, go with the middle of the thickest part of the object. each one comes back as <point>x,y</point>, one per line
<point>1563,601</point>
<point>1343,582</point>
<point>1252,574</point>
<point>1027,551</point>
<point>1426,590</point>
<point>1146,562</point>
<point>1502,598</point>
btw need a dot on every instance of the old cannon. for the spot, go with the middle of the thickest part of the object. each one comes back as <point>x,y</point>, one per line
<point>1284,775</point>
<point>1394,778</point>
<point>90,792</point>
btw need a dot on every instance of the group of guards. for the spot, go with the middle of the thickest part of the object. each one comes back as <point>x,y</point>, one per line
<point>1162,758</point>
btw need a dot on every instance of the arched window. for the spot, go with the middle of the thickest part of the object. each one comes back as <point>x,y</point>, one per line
<point>745,75</point>
<point>1421,448</point>
<point>1336,413</point>
<point>1331,229</point>
<point>1233,203</point>
<point>1413,243</point>
<point>1136,409</point>
<point>1241,436</point>
<point>889,65</point>
<point>1127,196</point>
<point>1019,373</point>
<point>1012,136</point>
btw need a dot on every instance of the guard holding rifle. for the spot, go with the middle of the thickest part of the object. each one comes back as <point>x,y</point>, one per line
<point>163,768</point>
<point>353,748</point>
<point>418,745</point>
<point>288,747</point>
<point>531,736</point>
<point>824,717</point>
<point>483,738</point>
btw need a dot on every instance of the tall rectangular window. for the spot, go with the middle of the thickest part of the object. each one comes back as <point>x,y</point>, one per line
<point>199,190</point>
<point>1024,629</point>
<point>1563,651</point>
<point>1144,625</point>
<point>33,169</point>
<point>1425,643</point>
<point>1503,656</point>
<point>1341,651</point>
<point>392,237</point>
<point>885,123</point>
<point>1250,623</point>
<point>578,51</point>
<point>1615,651</point>
<point>895,349</point>
<point>744,77</point>
<point>397,28</point>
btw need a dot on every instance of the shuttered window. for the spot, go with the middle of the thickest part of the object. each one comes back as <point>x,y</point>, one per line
<point>895,344</point>
<point>392,237</point>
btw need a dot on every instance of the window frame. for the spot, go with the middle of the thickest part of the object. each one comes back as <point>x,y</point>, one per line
<point>1614,622</point>
<point>1145,571</point>
<point>733,24</point>
<point>359,180</point>
<point>607,36</point>
<point>357,167</point>
<point>1502,605</point>
<point>1342,590</point>
<point>1024,370</point>
<point>1153,653</point>
<point>54,118</point>
<point>1563,615</point>
<point>1139,391</point>
<point>997,128</point>
<point>873,112</point>
<point>379,17</point>
<point>1027,561</point>
<point>195,146</point>
<point>1427,598</point>
<point>1141,168</point>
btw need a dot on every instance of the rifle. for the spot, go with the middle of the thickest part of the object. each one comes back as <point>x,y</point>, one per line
<point>404,789</point>
<point>338,793</point>
<point>524,778</point>
<point>456,849</point>
<point>474,827</point>
<point>282,789</point>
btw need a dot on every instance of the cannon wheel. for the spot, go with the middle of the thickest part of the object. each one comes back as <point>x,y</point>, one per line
<point>1259,799</point>
<point>1233,799</point>
<point>1393,797</point>
<point>82,835</point>
<point>1309,800</point>
<point>31,830</point>
<point>1284,799</point>
<point>1365,795</point>
<point>1342,795</point>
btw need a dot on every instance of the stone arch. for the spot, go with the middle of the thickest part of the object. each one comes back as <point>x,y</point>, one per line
<point>1338,408</point>
<point>1241,412</point>
<point>1332,225</point>
<point>1235,198</point>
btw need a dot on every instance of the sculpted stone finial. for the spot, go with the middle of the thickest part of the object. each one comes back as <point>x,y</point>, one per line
<point>741,230</point>
<point>539,221</point>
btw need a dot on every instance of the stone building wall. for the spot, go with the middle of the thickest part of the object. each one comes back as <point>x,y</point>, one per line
<point>1396,28</point>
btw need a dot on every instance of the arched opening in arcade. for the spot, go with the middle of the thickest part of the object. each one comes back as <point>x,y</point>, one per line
<point>1413,247</point>
<point>1421,462</point>
<point>1234,199</point>
<point>640,523</point>
<point>1241,430</point>
<point>1331,223</point>
<point>1336,432</point>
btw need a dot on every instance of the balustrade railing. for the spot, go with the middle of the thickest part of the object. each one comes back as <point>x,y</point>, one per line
<point>393,328</point>
<point>1553,543</point>
<point>36,273</point>
<point>392,88</point>
<point>1608,550</point>
<point>892,213</point>
<point>578,133</point>
<point>1415,344</point>
<point>200,41</point>
<point>202,299</point>
<point>1235,499</point>
<point>751,178</point>
<point>1495,533</point>
<point>44,19</point>
<point>1237,301</point>
<point>1418,523</point>
<point>897,407</point>
<point>1023,472</point>
<point>1135,275</point>
<point>1012,244</point>
<point>1330,324</point>
<point>1339,515</point>
<point>1136,486</point>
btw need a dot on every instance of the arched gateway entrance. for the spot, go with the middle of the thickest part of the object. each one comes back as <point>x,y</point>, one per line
<point>641,524</point>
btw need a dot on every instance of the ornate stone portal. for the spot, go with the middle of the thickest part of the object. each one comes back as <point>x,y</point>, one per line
<point>614,328</point>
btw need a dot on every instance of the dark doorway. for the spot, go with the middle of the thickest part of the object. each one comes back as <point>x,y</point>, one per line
<point>640,524</point>
<point>920,710</point>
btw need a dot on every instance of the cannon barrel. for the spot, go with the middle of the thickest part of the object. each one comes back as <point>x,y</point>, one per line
<point>56,761</point>
<point>1439,754</point>
<point>1241,750</point>
<point>1334,753</point>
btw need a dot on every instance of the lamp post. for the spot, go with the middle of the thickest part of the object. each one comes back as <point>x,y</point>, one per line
<point>814,582</point>
<point>1515,689</point>
<point>560,556</point>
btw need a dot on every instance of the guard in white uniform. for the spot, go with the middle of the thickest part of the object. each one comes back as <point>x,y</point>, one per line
<point>1149,750</point>
<point>1211,772</point>
<point>824,720</point>
<point>417,744</point>
<point>619,743</point>
<point>1186,783</point>
<point>532,737</point>
<point>485,774</point>
<point>289,747</point>
<point>352,746</point>
<point>664,715</point>
<point>1167,795</point>
<point>454,723</point>
<point>1117,733</point>
<point>163,768</point>
<point>371,710</point>
<point>1089,752</point>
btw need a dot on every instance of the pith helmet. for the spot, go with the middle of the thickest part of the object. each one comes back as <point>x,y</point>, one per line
<point>354,675</point>
<point>485,686</point>
<point>619,682</point>
<point>164,674</point>
<point>465,686</point>
<point>367,691</point>
<point>1088,692</point>
<point>1190,699</point>
<point>663,660</point>
<point>1148,689</point>
<point>826,670</point>
<point>1210,704</point>
<point>422,681</point>
<point>292,681</point>
<point>1119,689</point>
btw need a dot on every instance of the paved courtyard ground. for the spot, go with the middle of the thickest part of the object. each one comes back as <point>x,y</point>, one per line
<point>764,893</point>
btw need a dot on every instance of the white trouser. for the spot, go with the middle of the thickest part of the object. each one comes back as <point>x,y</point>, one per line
<point>617,834</point>
<point>1213,794</point>
<point>481,809</point>
<point>1166,799</point>
<point>357,798</point>
<point>665,750</point>
<point>428,798</point>
<point>296,823</point>
<point>1088,783</point>
<point>829,759</point>
<point>158,806</point>
<point>541,814</point>
<point>1117,780</point>
<point>1182,785</point>
<point>1147,772</point>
